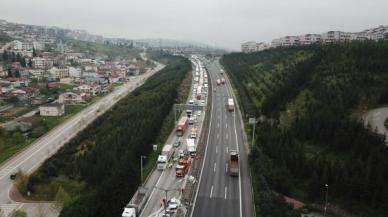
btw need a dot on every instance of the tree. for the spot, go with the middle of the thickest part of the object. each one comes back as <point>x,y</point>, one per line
<point>23,62</point>
<point>62,199</point>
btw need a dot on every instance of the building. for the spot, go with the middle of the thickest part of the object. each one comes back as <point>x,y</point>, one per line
<point>38,45</point>
<point>249,47</point>
<point>41,63</point>
<point>310,39</point>
<point>54,109</point>
<point>72,98</point>
<point>92,89</point>
<point>59,72</point>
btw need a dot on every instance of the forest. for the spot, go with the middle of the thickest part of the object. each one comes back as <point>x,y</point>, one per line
<point>310,101</point>
<point>99,169</point>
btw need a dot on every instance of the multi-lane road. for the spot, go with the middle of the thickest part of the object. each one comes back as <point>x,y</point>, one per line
<point>32,157</point>
<point>218,193</point>
<point>167,179</point>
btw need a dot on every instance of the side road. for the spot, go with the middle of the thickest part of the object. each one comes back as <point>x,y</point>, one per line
<point>34,155</point>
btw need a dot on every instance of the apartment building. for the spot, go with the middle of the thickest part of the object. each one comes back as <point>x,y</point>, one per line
<point>248,47</point>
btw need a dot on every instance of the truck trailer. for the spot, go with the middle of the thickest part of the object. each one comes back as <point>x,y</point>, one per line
<point>233,163</point>
<point>182,126</point>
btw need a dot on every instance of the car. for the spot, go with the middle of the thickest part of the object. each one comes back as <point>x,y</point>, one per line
<point>13,176</point>
<point>177,143</point>
<point>173,204</point>
<point>199,113</point>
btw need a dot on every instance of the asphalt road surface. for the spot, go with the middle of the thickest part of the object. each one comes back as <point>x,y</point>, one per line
<point>34,155</point>
<point>167,179</point>
<point>218,193</point>
<point>376,118</point>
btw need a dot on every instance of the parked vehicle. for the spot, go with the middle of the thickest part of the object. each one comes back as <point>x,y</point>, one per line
<point>222,81</point>
<point>182,126</point>
<point>183,166</point>
<point>162,162</point>
<point>177,142</point>
<point>172,205</point>
<point>193,133</point>
<point>191,147</point>
<point>233,163</point>
<point>134,207</point>
<point>218,81</point>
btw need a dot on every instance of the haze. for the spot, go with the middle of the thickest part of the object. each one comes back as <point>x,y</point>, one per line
<point>223,23</point>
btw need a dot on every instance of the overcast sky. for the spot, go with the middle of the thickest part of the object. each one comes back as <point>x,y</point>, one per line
<point>225,23</point>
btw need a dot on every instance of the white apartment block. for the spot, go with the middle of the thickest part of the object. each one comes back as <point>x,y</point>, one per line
<point>40,62</point>
<point>248,47</point>
<point>59,72</point>
<point>55,109</point>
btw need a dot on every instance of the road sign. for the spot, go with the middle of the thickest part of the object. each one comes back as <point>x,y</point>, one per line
<point>155,147</point>
<point>252,121</point>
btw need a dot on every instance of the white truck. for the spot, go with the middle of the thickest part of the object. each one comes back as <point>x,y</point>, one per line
<point>162,162</point>
<point>230,104</point>
<point>191,147</point>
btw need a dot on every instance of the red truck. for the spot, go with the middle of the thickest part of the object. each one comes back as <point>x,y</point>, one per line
<point>183,166</point>
<point>182,126</point>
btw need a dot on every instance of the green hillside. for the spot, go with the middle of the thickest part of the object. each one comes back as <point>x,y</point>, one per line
<point>311,134</point>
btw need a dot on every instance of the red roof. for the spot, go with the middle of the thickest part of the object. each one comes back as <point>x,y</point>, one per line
<point>295,203</point>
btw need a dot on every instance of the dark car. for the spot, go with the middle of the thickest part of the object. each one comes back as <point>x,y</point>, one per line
<point>12,176</point>
<point>177,143</point>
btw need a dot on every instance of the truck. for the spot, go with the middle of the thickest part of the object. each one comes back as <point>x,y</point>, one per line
<point>199,92</point>
<point>233,163</point>
<point>162,162</point>
<point>137,202</point>
<point>222,81</point>
<point>191,147</point>
<point>230,104</point>
<point>218,81</point>
<point>182,126</point>
<point>193,133</point>
<point>183,167</point>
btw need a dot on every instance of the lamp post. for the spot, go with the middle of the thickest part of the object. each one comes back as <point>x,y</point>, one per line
<point>327,192</point>
<point>141,169</point>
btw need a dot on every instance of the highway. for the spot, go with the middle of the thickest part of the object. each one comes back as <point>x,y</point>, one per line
<point>35,154</point>
<point>218,193</point>
<point>167,179</point>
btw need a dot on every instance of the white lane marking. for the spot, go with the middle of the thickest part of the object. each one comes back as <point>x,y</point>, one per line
<point>211,192</point>
<point>226,136</point>
<point>218,125</point>
<point>239,177</point>
<point>226,191</point>
<point>226,167</point>
<point>227,149</point>
<point>215,165</point>
<point>226,126</point>
<point>216,148</point>
<point>203,163</point>
<point>218,136</point>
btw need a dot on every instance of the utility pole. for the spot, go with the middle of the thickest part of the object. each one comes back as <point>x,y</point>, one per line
<point>327,192</point>
<point>141,169</point>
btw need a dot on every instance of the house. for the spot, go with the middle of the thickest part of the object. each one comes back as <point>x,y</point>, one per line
<point>93,89</point>
<point>72,98</point>
<point>54,109</point>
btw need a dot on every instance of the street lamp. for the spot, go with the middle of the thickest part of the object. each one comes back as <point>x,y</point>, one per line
<point>327,192</point>
<point>141,169</point>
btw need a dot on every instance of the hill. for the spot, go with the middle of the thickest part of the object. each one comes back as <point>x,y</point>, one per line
<point>310,100</point>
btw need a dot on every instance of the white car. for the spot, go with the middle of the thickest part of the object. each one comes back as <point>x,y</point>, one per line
<point>199,113</point>
<point>173,204</point>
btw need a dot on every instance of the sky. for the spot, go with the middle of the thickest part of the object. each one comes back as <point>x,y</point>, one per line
<point>222,23</point>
